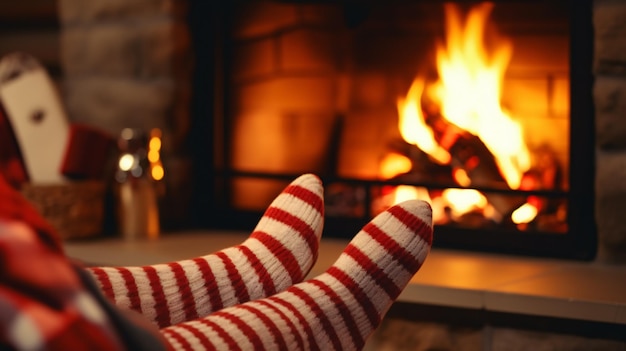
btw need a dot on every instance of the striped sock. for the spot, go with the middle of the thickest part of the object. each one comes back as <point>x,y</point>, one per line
<point>339,309</point>
<point>279,253</point>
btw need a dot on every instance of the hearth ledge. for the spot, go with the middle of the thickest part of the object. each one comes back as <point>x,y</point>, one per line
<point>589,291</point>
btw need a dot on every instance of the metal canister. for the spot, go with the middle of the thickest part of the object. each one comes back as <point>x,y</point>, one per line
<point>138,211</point>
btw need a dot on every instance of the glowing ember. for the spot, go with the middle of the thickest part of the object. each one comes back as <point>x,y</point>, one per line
<point>464,200</point>
<point>394,164</point>
<point>407,192</point>
<point>524,214</point>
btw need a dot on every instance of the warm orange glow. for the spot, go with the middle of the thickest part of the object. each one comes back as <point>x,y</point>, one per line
<point>154,155</point>
<point>464,200</point>
<point>468,94</point>
<point>524,214</point>
<point>470,89</point>
<point>461,177</point>
<point>157,172</point>
<point>155,143</point>
<point>408,192</point>
<point>154,146</point>
<point>404,193</point>
<point>393,165</point>
<point>412,126</point>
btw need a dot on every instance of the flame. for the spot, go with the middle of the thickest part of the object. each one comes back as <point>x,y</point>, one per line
<point>408,192</point>
<point>464,200</point>
<point>414,129</point>
<point>524,214</point>
<point>468,92</point>
<point>470,89</point>
<point>393,165</point>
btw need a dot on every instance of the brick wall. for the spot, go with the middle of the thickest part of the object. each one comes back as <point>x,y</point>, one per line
<point>286,83</point>
<point>298,68</point>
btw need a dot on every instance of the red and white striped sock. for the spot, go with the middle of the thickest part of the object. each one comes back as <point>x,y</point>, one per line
<point>279,253</point>
<point>337,310</point>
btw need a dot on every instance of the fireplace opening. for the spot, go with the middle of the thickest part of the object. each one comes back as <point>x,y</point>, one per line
<point>481,108</point>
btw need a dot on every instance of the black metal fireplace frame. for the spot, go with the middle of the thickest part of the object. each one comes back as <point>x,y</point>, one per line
<point>210,151</point>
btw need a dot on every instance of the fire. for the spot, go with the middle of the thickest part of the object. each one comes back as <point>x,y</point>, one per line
<point>407,192</point>
<point>468,94</point>
<point>394,164</point>
<point>414,129</point>
<point>524,214</point>
<point>464,200</point>
<point>470,88</point>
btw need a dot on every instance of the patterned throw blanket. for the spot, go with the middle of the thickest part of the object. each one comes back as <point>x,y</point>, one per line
<point>49,302</point>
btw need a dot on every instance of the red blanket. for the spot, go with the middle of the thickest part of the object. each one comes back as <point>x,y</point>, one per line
<point>47,301</point>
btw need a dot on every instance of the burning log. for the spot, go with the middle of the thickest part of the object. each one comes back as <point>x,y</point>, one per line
<point>545,175</point>
<point>473,164</point>
<point>423,169</point>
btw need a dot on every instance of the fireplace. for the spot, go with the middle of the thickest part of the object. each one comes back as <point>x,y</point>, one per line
<point>323,87</point>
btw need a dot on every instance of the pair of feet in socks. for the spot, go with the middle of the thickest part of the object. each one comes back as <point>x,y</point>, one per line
<point>251,296</point>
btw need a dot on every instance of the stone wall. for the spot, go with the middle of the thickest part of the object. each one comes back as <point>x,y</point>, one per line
<point>127,64</point>
<point>457,334</point>
<point>403,335</point>
<point>609,17</point>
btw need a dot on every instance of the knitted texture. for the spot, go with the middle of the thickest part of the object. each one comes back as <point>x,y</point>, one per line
<point>279,253</point>
<point>337,310</point>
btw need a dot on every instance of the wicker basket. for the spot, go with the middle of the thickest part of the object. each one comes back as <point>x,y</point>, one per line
<point>74,209</point>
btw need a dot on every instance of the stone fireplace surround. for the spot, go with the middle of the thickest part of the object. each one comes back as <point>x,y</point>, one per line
<point>129,64</point>
<point>115,77</point>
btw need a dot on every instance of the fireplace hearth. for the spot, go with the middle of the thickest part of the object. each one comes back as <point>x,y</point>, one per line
<point>313,86</point>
